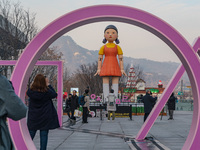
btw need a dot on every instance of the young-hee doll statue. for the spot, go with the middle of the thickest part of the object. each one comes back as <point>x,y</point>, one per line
<point>111,67</point>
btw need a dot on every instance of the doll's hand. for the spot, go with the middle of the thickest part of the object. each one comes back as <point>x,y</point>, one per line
<point>123,72</point>
<point>98,72</point>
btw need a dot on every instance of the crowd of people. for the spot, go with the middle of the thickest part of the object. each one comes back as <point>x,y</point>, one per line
<point>42,114</point>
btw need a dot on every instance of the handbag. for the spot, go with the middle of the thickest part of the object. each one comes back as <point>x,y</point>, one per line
<point>77,113</point>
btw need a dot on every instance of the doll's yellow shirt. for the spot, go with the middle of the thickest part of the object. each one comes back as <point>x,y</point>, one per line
<point>110,45</point>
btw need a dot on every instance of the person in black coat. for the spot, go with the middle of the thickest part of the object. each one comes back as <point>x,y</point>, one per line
<point>42,114</point>
<point>68,105</point>
<point>148,101</point>
<point>74,104</point>
<point>171,106</point>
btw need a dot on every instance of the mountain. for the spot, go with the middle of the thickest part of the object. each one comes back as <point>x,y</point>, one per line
<point>75,55</point>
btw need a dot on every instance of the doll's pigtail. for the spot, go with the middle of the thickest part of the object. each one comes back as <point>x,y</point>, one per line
<point>117,41</point>
<point>104,40</point>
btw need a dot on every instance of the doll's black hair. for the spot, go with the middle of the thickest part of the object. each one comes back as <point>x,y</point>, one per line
<point>116,41</point>
<point>111,27</point>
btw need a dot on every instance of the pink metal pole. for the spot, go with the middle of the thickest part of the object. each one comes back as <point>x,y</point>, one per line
<point>59,65</point>
<point>163,99</point>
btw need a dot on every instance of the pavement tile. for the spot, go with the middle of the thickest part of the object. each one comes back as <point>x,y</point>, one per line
<point>171,133</point>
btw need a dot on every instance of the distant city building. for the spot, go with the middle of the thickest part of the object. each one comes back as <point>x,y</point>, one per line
<point>8,32</point>
<point>134,94</point>
<point>140,84</point>
<point>131,82</point>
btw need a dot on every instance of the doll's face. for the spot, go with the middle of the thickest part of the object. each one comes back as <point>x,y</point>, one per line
<point>110,35</point>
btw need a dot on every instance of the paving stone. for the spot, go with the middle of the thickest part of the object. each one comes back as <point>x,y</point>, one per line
<point>103,135</point>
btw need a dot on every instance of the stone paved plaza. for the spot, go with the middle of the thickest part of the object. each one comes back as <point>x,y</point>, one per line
<point>119,134</point>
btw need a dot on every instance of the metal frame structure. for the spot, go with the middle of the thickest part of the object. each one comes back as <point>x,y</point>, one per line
<point>59,65</point>
<point>142,19</point>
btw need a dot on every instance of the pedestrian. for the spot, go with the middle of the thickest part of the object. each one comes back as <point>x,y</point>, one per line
<point>11,106</point>
<point>68,106</point>
<point>153,103</point>
<point>42,114</point>
<point>148,101</point>
<point>171,106</point>
<point>74,105</point>
<point>86,106</point>
<point>111,105</point>
<point>111,67</point>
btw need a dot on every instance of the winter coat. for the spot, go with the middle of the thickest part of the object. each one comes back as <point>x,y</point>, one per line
<point>68,102</point>
<point>87,101</point>
<point>171,103</point>
<point>111,105</point>
<point>42,114</point>
<point>11,107</point>
<point>148,101</point>
<point>74,102</point>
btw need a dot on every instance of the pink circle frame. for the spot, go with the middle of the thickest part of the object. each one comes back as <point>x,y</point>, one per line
<point>60,26</point>
<point>93,96</point>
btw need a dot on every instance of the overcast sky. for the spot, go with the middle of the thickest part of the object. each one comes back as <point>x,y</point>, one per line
<point>183,15</point>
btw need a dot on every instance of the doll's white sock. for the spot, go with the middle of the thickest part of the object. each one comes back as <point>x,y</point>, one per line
<point>115,88</point>
<point>105,91</point>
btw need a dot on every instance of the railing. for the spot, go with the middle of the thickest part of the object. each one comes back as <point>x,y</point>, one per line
<point>184,105</point>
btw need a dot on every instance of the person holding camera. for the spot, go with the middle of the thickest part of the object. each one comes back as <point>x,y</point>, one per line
<point>42,114</point>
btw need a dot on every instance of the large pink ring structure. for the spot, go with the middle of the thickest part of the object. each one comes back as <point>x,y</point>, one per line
<point>72,20</point>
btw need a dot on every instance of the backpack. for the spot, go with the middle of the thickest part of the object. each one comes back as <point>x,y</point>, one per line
<point>81,100</point>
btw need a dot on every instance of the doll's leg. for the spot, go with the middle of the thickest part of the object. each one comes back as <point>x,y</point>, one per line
<point>115,81</point>
<point>105,88</point>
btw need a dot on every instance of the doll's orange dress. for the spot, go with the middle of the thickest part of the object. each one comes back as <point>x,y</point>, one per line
<point>110,65</point>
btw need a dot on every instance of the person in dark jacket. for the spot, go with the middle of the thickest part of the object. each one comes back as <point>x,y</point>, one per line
<point>11,106</point>
<point>68,105</point>
<point>148,101</point>
<point>86,106</point>
<point>42,114</point>
<point>74,105</point>
<point>171,106</point>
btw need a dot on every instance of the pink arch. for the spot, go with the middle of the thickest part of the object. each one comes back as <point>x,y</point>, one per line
<point>99,13</point>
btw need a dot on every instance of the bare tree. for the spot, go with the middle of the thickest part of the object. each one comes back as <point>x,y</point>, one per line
<point>67,84</point>
<point>17,28</point>
<point>84,77</point>
<point>49,71</point>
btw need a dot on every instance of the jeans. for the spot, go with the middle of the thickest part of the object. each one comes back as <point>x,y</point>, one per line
<point>43,138</point>
<point>85,113</point>
<point>68,113</point>
<point>145,116</point>
<point>72,116</point>
<point>171,114</point>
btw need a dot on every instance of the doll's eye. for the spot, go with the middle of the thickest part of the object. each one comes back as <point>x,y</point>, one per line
<point>107,32</point>
<point>113,32</point>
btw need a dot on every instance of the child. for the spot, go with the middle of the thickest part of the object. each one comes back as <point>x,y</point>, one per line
<point>111,105</point>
